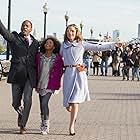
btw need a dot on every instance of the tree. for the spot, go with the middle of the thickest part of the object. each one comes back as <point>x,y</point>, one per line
<point>1,49</point>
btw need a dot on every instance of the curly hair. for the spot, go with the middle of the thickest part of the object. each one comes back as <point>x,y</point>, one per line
<point>56,42</point>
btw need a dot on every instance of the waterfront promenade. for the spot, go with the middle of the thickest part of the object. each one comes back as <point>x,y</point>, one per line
<point>112,114</point>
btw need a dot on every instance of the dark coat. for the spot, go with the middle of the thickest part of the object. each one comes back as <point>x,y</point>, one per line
<point>23,57</point>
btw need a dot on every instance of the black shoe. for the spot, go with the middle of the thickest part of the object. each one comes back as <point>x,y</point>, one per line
<point>72,134</point>
<point>123,79</point>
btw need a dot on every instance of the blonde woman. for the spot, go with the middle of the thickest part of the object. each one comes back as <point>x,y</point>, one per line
<point>75,85</point>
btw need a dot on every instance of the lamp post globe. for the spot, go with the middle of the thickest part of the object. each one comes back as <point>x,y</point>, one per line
<point>66,18</point>
<point>45,11</point>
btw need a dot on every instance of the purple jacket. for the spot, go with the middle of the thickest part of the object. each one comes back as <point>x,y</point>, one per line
<point>55,72</point>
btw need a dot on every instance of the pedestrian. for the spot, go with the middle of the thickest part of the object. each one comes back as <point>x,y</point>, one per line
<point>22,74</point>
<point>127,62</point>
<point>75,84</point>
<point>87,61</point>
<point>104,62</point>
<point>96,61</point>
<point>135,60</point>
<point>50,70</point>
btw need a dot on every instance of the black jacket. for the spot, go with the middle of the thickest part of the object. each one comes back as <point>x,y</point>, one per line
<point>23,57</point>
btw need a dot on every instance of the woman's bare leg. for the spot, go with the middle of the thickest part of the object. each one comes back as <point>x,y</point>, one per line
<point>73,116</point>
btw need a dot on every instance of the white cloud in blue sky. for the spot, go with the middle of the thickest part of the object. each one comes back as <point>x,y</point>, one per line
<point>103,16</point>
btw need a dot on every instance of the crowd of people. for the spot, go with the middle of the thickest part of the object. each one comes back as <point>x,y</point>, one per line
<point>125,59</point>
<point>42,66</point>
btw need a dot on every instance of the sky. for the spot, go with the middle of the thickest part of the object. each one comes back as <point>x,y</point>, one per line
<point>100,15</point>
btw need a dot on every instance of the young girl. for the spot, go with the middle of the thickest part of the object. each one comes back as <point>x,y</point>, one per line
<point>50,69</point>
<point>75,85</point>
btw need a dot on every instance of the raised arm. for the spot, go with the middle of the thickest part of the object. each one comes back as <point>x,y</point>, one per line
<point>99,47</point>
<point>5,33</point>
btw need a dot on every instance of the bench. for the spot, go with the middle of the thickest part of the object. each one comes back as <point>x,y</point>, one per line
<point>4,68</point>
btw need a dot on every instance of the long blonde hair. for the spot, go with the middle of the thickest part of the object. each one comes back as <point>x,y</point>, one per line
<point>78,36</point>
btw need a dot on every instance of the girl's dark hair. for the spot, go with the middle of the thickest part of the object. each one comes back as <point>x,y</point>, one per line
<point>56,45</point>
<point>78,36</point>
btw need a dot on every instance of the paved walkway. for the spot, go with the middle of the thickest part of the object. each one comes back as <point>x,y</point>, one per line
<point>112,114</point>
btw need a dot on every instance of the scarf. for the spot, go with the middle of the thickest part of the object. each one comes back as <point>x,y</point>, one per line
<point>45,66</point>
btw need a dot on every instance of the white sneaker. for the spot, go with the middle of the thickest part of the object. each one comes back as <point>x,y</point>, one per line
<point>44,127</point>
<point>41,126</point>
<point>44,132</point>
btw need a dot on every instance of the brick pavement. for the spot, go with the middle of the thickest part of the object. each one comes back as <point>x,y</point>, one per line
<point>112,114</point>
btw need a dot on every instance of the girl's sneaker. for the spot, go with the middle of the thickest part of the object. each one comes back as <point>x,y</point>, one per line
<point>41,126</point>
<point>44,127</point>
<point>44,132</point>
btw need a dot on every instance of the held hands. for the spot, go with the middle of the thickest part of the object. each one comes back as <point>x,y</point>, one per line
<point>80,67</point>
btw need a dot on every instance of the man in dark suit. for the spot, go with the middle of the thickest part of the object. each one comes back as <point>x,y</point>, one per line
<point>22,74</point>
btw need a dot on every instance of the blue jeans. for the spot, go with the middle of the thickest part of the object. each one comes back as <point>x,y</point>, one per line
<point>44,108</point>
<point>87,63</point>
<point>104,64</point>
<point>135,71</point>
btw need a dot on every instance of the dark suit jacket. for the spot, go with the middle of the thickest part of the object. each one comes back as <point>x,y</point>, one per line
<point>23,57</point>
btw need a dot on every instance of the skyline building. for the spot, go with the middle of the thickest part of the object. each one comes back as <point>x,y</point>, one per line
<point>116,35</point>
<point>138,30</point>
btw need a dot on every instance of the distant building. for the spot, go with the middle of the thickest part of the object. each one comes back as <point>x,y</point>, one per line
<point>54,34</point>
<point>138,30</point>
<point>116,35</point>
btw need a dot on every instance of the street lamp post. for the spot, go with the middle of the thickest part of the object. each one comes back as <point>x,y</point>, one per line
<point>66,18</point>
<point>9,23</point>
<point>100,37</point>
<point>45,10</point>
<point>91,32</point>
<point>81,27</point>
